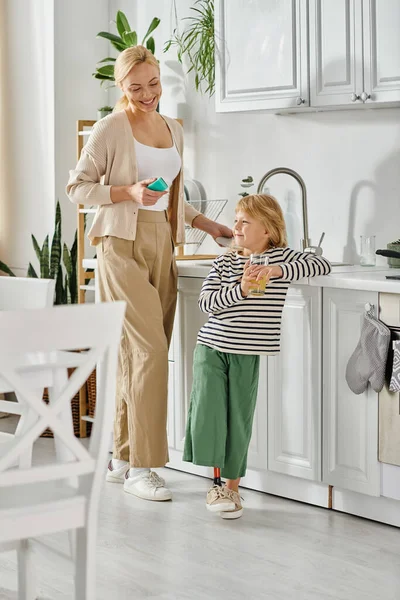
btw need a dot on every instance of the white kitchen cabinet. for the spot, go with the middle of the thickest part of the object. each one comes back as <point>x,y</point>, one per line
<point>188,321</point>
<point>381,27</point>
<point>262,56</point>
<point>294,388</point>
<point>354,52</point>
<point>336,60</point>
<point>350,422</point>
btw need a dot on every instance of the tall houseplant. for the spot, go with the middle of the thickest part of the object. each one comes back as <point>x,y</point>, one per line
<point>126,39</point>
<point>197,42</point>
<point>55,262</point>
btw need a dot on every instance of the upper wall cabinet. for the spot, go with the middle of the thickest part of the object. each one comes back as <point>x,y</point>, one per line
<point>299,55</point>
<point>354,52</point>
<point>381,42</point>
<point>262,55</point>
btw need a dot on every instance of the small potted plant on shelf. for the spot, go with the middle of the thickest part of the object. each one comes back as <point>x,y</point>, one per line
<point>103,112</point>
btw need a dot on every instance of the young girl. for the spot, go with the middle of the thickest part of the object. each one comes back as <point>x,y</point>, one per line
<point>239,329</point>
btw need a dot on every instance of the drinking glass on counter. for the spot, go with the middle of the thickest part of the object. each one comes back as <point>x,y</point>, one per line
<point>257,288</point>
<point>367,251</point>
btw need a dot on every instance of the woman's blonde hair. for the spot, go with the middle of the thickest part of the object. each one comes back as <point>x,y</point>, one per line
<point>125,62</point>
<point>266,209</point>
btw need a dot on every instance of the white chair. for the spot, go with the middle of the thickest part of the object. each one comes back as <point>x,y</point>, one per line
<point>19,293</point>
<point>39,500</point>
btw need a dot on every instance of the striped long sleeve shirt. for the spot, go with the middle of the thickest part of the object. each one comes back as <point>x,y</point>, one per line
<point>248,325</point>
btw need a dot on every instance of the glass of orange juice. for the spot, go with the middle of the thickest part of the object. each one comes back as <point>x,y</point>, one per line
<point>257,287</point>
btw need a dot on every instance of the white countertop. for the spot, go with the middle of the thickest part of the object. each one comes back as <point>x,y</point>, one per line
<point>352,277</point>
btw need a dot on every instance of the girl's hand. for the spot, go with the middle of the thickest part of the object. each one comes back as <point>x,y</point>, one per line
<point>140,193</point>
<point>253,273</point>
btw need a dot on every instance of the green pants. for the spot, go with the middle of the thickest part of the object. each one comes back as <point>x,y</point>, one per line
<point>221,410</point>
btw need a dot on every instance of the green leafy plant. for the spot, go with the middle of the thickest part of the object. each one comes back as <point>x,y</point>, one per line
<point>126,39</point>
<point>105,109</point>
<point>50,265</point>
<point>198,43</point>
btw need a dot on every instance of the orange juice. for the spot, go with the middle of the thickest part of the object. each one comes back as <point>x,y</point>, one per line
<point>257,288</point>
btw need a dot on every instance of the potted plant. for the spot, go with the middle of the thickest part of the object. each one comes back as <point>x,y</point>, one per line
<point>50,265</point>
<point>103,112</point>
<point>126,39</point>
<point>394,262</point>
<point>197,42</point>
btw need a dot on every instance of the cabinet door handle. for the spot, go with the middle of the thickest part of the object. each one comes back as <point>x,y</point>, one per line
<point>300,101</point>
<point>355,97</point>
<point>364,96</point>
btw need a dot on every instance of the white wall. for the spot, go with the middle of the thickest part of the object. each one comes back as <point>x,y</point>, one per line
<point>349,160</point>
<point>77,93</point>
<point>29,79</point>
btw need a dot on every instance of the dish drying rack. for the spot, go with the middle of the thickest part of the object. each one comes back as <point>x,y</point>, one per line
<point>194,237</point>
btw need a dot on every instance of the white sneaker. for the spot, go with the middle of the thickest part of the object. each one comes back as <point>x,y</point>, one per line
<point>148,486</point>
<point>116,475</point>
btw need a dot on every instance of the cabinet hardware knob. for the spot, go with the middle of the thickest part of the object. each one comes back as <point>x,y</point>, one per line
<point>355,97</point>
<point>300,101</point>
<point>364,96</point>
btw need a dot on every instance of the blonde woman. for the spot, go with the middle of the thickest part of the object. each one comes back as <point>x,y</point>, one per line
<point>135,230</point>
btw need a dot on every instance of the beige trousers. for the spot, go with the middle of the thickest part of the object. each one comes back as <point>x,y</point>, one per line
<point>143,273</point>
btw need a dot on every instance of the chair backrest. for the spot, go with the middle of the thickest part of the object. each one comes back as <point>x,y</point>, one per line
<point>20,293</point>
<point>44,340</point>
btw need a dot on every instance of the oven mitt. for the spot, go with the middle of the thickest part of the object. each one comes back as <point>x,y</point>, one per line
<point>368,361</point>
<point>395,379</point>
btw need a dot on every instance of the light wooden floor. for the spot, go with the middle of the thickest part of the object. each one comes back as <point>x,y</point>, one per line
<point>279,549</point>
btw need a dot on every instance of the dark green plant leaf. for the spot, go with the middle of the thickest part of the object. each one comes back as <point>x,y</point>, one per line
<point>58,215</point>
<point>151,45</point>
<point>67,297</point>
<point>122,23</point>
<point>59,291</point>
<point>110,37</point>
<point>103,77</point>
<point>36,246</point>
<point>153,25</point>
<point>108,59</point>
<point>5,269</point>
<point>107,70</point>
<point>44,260</point>
<point>31,272</point>
<point>67,260</point>
<point>55,254</point>
<point>130,38</point>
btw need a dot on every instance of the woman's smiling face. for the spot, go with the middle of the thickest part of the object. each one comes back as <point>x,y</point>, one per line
<point>142,87</point>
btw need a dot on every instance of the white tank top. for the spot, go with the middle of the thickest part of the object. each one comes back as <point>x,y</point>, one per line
<point>157,162</point>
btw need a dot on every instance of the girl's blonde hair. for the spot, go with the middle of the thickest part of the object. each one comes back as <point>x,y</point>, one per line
<point>128,59</point>
<point>266,209</point>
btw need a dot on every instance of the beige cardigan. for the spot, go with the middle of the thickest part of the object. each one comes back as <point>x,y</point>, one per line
<point>109,156</point>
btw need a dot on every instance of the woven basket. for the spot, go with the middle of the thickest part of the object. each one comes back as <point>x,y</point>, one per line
<point>91,393</point>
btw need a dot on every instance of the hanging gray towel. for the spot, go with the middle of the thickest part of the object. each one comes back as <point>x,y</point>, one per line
<point>395,379</point>
<point>368,361</point>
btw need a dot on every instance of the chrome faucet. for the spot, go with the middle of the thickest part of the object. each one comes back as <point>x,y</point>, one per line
<point>284,170</point>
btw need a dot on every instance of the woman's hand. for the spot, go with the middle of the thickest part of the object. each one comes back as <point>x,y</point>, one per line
<point>212,227</point>
<point>140,193</point>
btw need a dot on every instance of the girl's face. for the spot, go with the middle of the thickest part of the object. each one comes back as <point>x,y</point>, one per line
<point>250,234</point>
<point>142,87</point>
